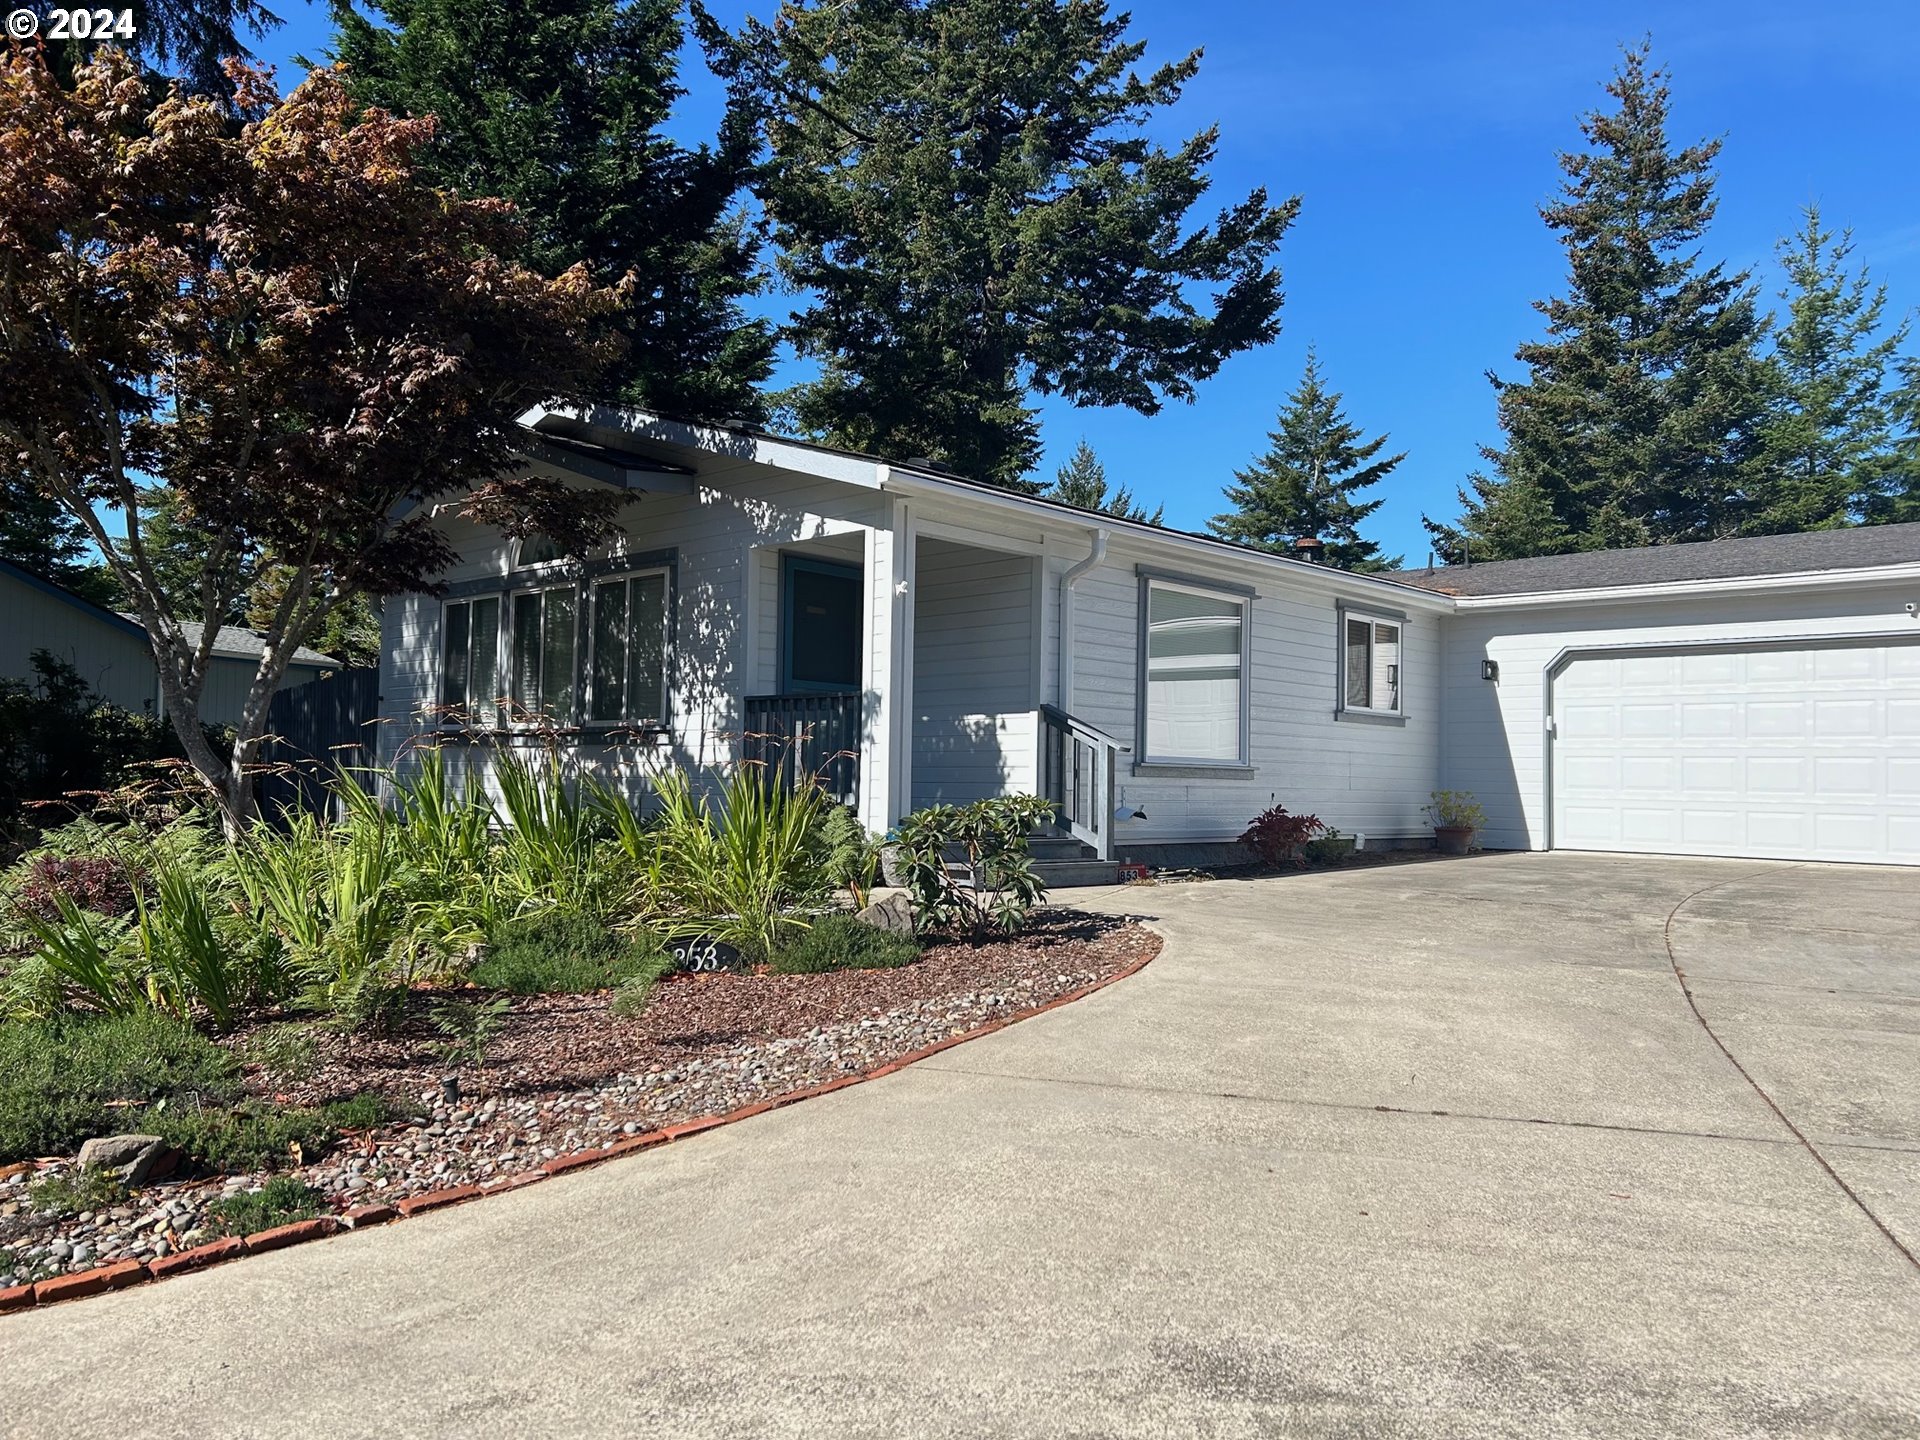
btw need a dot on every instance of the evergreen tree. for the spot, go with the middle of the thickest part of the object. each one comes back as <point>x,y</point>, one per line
<point>1317,461</point>
<point>557,105</point>
<point>1638,421</point>
<point>964,192</point>
<point>1897,500</point>
<point>1829,437</point>
<point>1082,481</point>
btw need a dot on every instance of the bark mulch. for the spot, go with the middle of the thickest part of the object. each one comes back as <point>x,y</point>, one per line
<point>565,1074</point>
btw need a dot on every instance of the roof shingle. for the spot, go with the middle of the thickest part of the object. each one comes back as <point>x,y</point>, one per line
<point>1860,548</point>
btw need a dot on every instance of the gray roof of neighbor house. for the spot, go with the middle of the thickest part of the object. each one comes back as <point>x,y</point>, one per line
<point>232,643</point>
<point>1863,547</point>
<point>235,643</point>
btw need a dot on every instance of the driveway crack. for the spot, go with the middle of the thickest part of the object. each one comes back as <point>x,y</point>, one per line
<point>1693,1005</point>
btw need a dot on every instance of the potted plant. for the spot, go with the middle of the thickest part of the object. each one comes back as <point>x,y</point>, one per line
<point>1456,815</point>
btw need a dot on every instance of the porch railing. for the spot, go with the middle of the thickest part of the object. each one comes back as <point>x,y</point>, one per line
<point>806,734</point>
<point>1076,773</point>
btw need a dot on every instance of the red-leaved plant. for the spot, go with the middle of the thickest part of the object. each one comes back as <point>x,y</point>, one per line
<point>1279,838</point>
<point>92,882</point>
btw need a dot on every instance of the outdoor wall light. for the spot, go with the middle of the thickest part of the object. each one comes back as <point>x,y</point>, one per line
<point>1490,670</point>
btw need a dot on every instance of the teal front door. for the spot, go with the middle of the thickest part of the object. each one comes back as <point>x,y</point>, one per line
<point>820,625</point>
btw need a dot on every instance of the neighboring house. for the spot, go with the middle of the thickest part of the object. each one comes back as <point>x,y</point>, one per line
<point>111,652</point>
<point>957,641</point>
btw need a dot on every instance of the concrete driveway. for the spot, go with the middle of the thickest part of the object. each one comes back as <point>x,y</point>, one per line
<point>1434,1149</point>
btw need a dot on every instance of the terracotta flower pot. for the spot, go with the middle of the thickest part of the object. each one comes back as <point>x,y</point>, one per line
<point>1452,839</point>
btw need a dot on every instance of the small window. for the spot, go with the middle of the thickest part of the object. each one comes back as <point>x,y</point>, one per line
<point>470,660</point>
<point>629,668</point>
<point>542,646</point>
<point>1196,663</point>
<point>538,550</point>
<point>1371,666</point>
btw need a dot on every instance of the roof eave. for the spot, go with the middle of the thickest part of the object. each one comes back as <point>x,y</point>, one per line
<point>1679,589</point>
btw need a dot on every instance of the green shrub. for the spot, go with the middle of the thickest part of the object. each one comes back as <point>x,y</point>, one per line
<point>257,1136</point>
<point>281,1201</point>
<point>58,1076</point>
<point>992,836</point>
<point>76,1192</point>
<point>286,1051</point>
<point>560,951</point>
<point>735,872</point>
<point>840,942</point>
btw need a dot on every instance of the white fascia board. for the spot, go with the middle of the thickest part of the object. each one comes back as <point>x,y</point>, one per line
<point>1681,589</point>
<point>1140,535</point>
<point>724,444</point>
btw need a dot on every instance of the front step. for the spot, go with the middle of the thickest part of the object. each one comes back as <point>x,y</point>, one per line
<point>1068,874</point>
<point>1064,863</point>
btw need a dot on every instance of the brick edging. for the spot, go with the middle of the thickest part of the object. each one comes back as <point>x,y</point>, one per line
<point>120,1274</point>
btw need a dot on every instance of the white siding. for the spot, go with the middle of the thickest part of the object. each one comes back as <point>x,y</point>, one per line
<point>972,673</point>
<point>720,647</point>
<point>1364,778</point>
<point>1495,734</point>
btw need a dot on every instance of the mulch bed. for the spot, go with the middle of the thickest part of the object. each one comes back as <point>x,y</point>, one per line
<point>565,1074</point>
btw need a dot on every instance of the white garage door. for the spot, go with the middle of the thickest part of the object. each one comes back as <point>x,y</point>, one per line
<point>1796,754</point>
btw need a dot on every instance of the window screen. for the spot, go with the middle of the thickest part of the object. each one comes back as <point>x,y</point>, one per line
<point>630,650</point>
<point>1372,665</point>
<point>470,660</point>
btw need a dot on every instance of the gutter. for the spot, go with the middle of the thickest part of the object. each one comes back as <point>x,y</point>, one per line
<point>1096,553</point>
<point>1731,585</point>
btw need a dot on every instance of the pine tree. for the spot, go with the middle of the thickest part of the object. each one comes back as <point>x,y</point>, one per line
<point>1316,462</point>
<point>965,193</point>
<point>1898,498</point>
<point>1829,436</point>
<point>1082,481</point>
<point>1638,421</point>
<point>558,106</point>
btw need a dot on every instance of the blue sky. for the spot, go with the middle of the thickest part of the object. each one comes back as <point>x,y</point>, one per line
<point>1422,141</point>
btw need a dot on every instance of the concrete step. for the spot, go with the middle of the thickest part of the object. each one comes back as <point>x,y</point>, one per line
<point>1067,874</point>
<point>1058,847</point>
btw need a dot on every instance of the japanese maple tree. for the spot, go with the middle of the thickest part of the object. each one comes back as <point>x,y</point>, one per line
<point>284,325</point>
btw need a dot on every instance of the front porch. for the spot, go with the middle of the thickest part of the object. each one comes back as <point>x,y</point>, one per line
<point>911,671</point>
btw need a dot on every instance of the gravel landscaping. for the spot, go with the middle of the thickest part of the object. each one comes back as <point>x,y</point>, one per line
<point>565,1074</point>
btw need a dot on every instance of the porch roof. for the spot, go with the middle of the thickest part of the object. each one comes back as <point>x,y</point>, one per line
<point>741,441</point>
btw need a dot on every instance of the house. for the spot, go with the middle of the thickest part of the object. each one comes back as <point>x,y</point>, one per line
<point>914,637</point>
<point>112,654</point>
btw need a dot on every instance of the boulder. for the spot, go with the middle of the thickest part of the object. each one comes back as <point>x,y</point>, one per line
<point>130,1159</point>
<point>893,914</point>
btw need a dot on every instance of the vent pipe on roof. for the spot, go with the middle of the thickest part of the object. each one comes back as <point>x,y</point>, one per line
<point>1309,548</point>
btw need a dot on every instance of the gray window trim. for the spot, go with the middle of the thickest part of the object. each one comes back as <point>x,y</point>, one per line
<point>556,575</point>
<point>1341,711</point>
<point>1245,595</point>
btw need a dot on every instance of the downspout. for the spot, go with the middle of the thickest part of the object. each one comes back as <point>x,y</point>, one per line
<point>1094,556</point>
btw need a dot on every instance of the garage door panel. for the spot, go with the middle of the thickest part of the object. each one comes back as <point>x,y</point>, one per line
<point>1794,754</point>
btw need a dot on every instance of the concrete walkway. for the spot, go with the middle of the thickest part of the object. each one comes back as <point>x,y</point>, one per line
<point>1434,1149</point>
